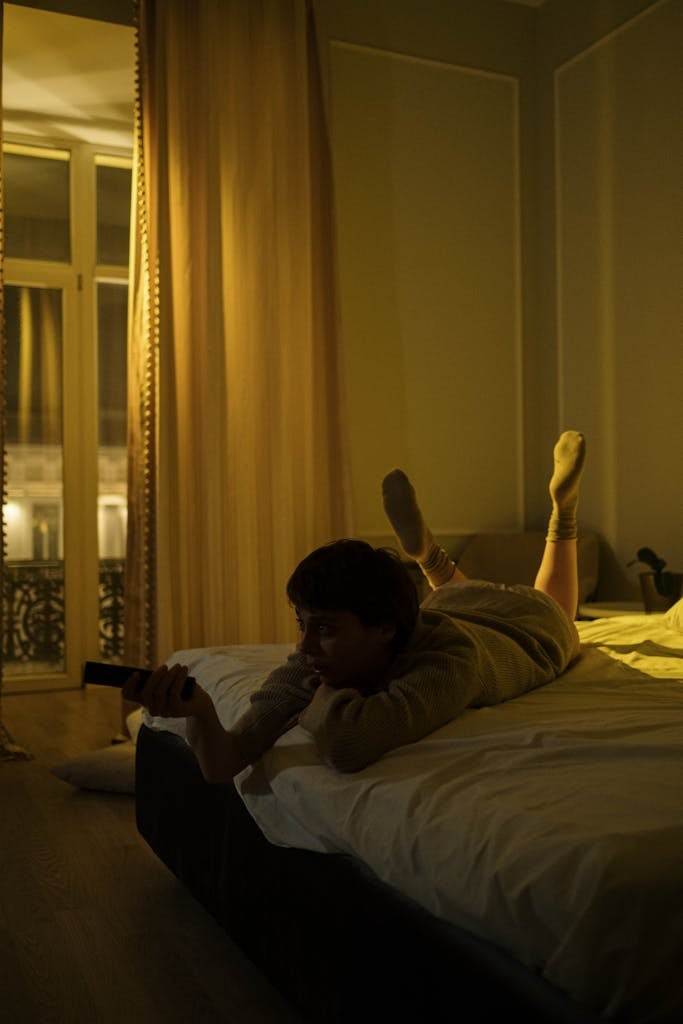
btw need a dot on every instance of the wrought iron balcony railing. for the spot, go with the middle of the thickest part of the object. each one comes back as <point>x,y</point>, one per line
<point>34,612</point>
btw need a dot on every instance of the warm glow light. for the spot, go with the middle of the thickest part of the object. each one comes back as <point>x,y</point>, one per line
<point>11,512</point>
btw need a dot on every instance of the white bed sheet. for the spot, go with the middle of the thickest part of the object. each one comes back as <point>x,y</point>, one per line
<point>551,825</point>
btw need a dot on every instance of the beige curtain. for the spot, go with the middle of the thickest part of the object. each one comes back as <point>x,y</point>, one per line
<point>237,462</point>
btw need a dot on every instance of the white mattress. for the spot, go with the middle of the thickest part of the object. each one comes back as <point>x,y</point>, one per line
<point>551,825</point>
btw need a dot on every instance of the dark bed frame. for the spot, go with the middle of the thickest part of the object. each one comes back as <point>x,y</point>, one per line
<point>340,944</point>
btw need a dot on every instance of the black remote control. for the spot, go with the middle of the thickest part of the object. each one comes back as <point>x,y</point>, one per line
<point>102,673</point>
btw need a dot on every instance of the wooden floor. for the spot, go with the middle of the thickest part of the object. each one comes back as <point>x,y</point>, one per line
<point>93,928</point>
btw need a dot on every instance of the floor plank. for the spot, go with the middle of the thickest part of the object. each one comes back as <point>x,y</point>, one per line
<point>93,927</point>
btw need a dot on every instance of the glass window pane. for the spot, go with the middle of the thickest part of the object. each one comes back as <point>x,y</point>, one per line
<point>112,326</point>
<point>33,640</point>
<point>112,322</point>
<point>113,215</point>
<point>36,193</point>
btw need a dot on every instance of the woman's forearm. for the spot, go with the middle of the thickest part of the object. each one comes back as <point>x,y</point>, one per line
<point>217,750</point>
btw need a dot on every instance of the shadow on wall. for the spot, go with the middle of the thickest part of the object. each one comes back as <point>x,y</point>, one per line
<point>616,582</point>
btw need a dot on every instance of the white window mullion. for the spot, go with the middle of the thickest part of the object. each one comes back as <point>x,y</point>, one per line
<point>81,564</point>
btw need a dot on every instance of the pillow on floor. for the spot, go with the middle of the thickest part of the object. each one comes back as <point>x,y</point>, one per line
<point>110,769</point>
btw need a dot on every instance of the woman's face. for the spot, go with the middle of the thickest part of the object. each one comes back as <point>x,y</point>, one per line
<point>341,651</point>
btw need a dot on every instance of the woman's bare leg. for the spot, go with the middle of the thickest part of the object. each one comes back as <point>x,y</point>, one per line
<point>558,575</point>
<point>414,536</point>
<point>558,572</point>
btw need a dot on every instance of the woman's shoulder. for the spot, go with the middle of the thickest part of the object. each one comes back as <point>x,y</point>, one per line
<point>435,630</point>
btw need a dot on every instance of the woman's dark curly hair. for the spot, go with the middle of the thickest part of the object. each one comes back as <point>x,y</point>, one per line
<point>350,575</point>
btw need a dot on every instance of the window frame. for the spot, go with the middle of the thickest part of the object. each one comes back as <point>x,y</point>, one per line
<point>78,282</point>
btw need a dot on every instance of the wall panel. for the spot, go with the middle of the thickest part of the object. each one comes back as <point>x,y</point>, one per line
<point>426,172</point>
<point>619,161</point>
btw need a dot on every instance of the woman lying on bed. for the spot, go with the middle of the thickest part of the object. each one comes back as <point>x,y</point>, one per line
<point>373,670</point>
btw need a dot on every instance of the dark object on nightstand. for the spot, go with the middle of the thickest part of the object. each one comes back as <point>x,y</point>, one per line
<point>660,589</point>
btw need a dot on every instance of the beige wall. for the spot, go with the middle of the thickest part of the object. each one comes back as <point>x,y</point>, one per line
<point>619,263</point>
<point>509,214</point>
<point>429,246</point>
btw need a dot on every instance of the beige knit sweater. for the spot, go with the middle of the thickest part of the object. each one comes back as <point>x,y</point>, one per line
<point>474,644</point>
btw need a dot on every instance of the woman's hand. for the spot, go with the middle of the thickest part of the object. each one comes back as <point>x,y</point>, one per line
<point>161,693</point>
<point>218,751</point>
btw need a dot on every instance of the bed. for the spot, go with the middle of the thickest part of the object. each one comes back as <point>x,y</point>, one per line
<point>526,858</point>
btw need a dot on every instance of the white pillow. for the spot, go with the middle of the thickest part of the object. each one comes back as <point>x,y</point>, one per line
<point>133,723</point>
<point>110,769</point>
<point>674,616</point>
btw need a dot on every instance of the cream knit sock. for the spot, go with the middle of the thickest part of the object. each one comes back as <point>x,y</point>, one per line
<point>415,537</point>
<point>569,456</point>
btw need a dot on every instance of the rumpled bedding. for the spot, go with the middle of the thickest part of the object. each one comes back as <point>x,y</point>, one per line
<point>550,825</point>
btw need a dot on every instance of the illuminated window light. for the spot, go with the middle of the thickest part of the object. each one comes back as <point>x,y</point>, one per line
<point>11,512</point>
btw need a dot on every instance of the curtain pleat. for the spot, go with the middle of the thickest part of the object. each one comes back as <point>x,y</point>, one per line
<point>140,577</point>
<point>240,344</point>
<point>3,407</point>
